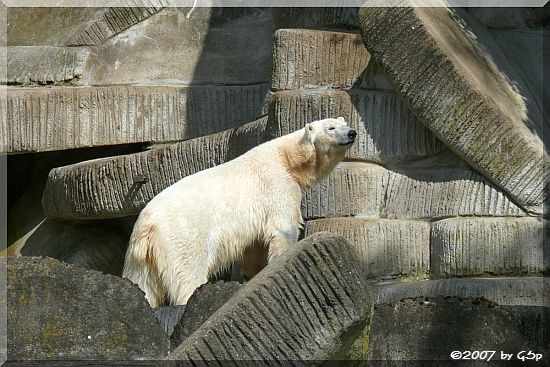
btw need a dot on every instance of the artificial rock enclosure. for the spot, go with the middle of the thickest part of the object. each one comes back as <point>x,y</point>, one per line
<point>438,239</point>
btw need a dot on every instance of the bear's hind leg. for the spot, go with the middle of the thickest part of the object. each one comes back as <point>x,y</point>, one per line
<point>184,280</point>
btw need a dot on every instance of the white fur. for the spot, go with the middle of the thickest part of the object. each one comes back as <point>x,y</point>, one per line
<point>204,222</point>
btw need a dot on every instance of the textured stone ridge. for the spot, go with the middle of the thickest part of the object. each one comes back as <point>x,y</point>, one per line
<point>58,311</point>
<point>385,247</point>
<point>310,304</point>
<point>122,185</point>
<point>496,246</point>
<point>353,188</point>
<point>43,64</point>
<point>315,18</point>
<point>454,88</point>
<point>63,118</point>
<point>387,130</point>
<point>517,291</point>
<point>116,20</point>
<point>428,192</point>
<point>304,59</point>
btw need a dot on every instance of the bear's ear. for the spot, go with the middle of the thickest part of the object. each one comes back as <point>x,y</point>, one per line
<point>340,118</point>
<point>308,131</point>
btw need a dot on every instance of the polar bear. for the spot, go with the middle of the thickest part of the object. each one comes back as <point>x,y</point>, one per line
<point>203,223</point>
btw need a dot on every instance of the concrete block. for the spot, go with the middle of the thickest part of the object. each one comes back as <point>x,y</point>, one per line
<point>386,247</point>
<point>495,246</point>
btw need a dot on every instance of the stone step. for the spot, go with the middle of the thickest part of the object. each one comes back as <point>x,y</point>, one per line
<point>386,247</point>
<point>454,87</point>
<point>45,119</point>
<point>504,291</point>
<point>305,59</point>
<point>316,18</point>
<point>496,246</point>
<point>427,192</point>
<point>122,185</point>
<point>310,304</point>
<point>114,21</point>
<point>42,64</point>
<point>387,130</point>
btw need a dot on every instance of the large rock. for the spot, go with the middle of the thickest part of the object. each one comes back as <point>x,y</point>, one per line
<point>128,182</point>
<point>386,248</point>
<point>454,87</point>
<point>45,119</point>
<point>428,330</point>
<point>58,311</point>
<point>306,59</point>
<point>204,302</point>
<point>311,304</point>
<point>429,319</point>
<point>387,130</point>
<point>495,246</point>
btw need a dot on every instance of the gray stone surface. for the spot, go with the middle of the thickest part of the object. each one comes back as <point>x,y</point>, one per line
<point>306,59</point>
<point>392,248</point>
<point>454,87</point>
<point>28,65</point>
<point>504,291</point>
<point>114,21</point>
<point>496,246</point>
<point>204,302</point>
<point>59,311</point>
<point>387,130</point>
<point>316,18</point>
<point>94,245</point>
<point>423,190</point>
<point>122,185</point>
<point>215,46</point>
<point>46,119</point>
<point>310,304</point>
<point>425,330</point>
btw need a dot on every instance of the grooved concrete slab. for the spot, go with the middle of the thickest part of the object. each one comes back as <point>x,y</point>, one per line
<point>386,247</point>
<point>454,87</point>
<point>315,18</point>
<point>387,130</point>
<point>58,311</point>
<point>505,291</point>
<point>114,21</point>
<point>122,185</point>
<point>496,246</point>
<point>353,188</point>
<point>305,59</point>
<point>64,118</point>
<point>413,192</point>
<point>310,304</point>
<point>43,64</point>
<point>436,192</point>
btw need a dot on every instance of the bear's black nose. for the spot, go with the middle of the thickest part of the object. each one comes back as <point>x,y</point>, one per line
<point>352,134</point>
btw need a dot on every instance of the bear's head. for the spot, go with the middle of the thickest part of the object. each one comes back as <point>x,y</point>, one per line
<point>323,145</point>
<point>330,135</point>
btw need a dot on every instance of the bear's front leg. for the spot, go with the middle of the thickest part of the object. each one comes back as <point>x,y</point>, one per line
<point>280,241</point>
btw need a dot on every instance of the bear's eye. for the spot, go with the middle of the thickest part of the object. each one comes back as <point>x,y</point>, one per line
<point>331,128</point>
